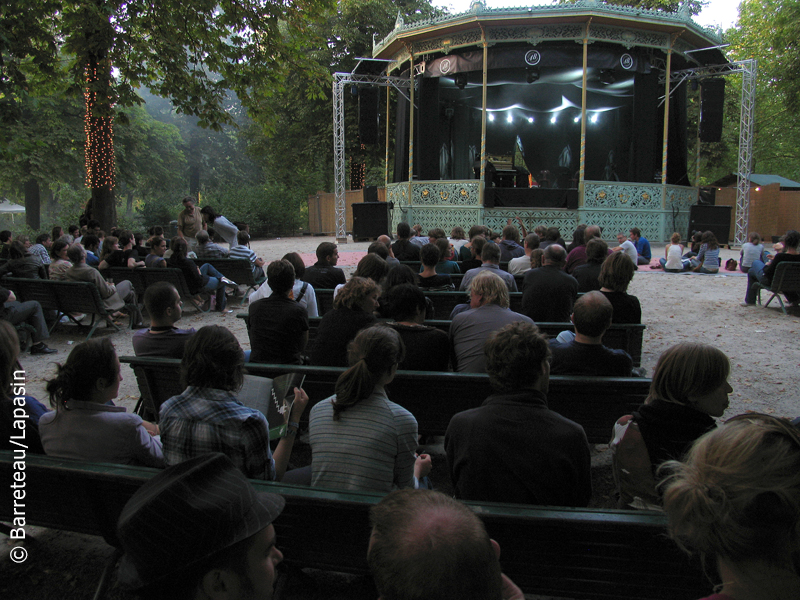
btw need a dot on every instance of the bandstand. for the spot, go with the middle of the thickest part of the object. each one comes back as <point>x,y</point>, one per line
<point>560,114</point>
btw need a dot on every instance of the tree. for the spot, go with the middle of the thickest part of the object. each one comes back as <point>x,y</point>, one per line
<point>694,6</point>
<point>190,51</point>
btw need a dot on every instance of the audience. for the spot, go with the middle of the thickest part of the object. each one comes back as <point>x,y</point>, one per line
<point>488,312</point>
<point>85,423</point>
<point>22,264</point>
<point>403,249</point>
<point>60,263</point>
<point>642,246</point>
<point>41,249</point>
<point>548,292</point>
<point>509,246</point>
<point>162,338</point>
<point>243,252</point>
<point>207,417</point>
<point>222,226</point>
<point>91,243</point>
<point>205,248</point>
<point>353,309</point>
<point>735,501</point>
<point>578,255</point>
<point>588,274</point>
<point>278,327</point>
<point>206,279</point>
<point>430,278</point>
<point>513,448</point>
<point>490,255</point>
<point>583,352</point>
<point>302,292</point>
<point>627,247</point>
<point>521,264</point>
<point>763,274</point>
<point>615,275</point>
<point>446,263</point>
<point>124,256</point>
<point>218,542</point>
<point>426,546</point>
<point>707,260</point>
<point>158,246</point>
<point>427,348</point>
<point>360,440</point>
<point>689,388</point>
<point>324,275</point>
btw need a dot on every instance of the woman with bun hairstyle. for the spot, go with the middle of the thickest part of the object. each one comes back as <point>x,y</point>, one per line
<point>360,440</point>
<point>735,500</point>
<point>85,423</point>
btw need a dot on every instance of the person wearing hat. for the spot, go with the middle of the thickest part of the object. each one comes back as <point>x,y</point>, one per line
<point>199,530</point>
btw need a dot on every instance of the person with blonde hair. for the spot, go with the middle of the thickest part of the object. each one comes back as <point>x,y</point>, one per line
<point>688,391</point>
<point>735,500</point>
<point>488,312</point>
<point>360,440</point>
<point>353,309</point>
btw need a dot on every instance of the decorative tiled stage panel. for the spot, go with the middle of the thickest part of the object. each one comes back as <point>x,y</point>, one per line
<point>656,210</point>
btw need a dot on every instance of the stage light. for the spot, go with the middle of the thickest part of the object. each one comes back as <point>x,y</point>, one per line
<point>510,118</point>
<point>530,119</point>
<point>553,119</point>
<point>758,189</point>
<point>354,90</point>
<point>461,80</point>
<point>607,77</point>
<point>594,118</point>
<point>577,119</point>
<point>491,116</point>
<point>533,75</point>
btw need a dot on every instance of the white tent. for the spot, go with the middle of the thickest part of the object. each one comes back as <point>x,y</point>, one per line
<point>9,208</point>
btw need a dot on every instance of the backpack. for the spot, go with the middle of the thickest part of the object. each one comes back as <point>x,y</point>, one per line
<point>633,474</point>
<point>730,264</point>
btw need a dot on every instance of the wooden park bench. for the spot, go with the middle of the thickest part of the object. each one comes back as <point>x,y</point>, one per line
<point>65,298</point>
<point>553,551</point>
<point>173,276</point>
<point>785,279</point>
<point>433,397</point>
<point>236,269</point>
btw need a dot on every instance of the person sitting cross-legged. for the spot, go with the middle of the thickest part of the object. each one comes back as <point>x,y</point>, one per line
<point>583,352</point>
<point>278,326</point>
<point>513,448</point>
<point>207,417</point>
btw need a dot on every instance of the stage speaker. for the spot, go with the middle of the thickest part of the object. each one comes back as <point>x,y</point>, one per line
<point>368,115</point>
<point>370,220</point>
<point>370,193</point>
<point>712,100</point>
<point>711,218</point>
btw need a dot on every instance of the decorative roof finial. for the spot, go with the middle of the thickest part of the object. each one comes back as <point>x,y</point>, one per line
<point>684,10</point>
<point>477,6</point>
<point>398,24</point>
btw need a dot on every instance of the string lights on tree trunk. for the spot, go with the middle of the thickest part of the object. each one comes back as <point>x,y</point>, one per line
<point>98,125</point>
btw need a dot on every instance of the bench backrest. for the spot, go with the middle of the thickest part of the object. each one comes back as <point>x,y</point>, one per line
<point>135,276</point>
<point>61,296</point>
<point>575,553</point>
<point>170,275</point>
<point>236,269</point>
<point>432,397</point>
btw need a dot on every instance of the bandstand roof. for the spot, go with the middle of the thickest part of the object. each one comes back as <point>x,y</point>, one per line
<point>759,180</point>
<point>626,26</point>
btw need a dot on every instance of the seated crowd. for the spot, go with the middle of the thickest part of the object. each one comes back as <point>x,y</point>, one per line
<point>512,448</point>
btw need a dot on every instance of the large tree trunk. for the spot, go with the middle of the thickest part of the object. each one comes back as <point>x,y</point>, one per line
<point>32,204</point>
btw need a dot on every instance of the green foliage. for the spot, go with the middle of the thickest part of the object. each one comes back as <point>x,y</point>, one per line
<point>269,209</point>
<point>672,6</point>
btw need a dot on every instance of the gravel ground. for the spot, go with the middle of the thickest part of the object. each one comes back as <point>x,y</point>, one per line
<point>761,344</point>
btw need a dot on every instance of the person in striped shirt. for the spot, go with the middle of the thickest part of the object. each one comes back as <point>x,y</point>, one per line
<point>243,251</point>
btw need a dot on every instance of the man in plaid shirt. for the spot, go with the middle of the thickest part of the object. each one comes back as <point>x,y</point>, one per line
<point>206,248</point>
<point>207,417</point>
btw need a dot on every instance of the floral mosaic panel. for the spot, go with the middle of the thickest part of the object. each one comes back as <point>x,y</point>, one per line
<point>445,217</point>
<point>680,197</point>
<point>639,196</point>
<point>456,193</point>
<point>616,221</point>
<point>497,218</point>
<point>629,37</point>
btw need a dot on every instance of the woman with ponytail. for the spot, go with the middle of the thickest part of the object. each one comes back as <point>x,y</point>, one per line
<point>85,423</point>
<point>735,500</point>
<point>360,440</point>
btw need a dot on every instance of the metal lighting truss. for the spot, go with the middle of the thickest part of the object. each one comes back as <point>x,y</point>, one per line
<point>748,70</point>
<point>339,81</point>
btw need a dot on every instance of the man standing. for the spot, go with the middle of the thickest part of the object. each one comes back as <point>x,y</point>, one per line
<point>190,221</point>
<point>488,312</point>
<point>427,546</point>
<point>513,448</point>
<point>523,263</point>
<point>584,353</point>
<point>242,251</point>
<point>642,247</point>
<point>164,306</point>
<point>200,530</point>
<point>490,255</point>
<point>548,293</point>
<point>324,275</point>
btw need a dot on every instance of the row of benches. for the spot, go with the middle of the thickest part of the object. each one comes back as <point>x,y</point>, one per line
<point>432,397</point>
<point>563,552</point>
